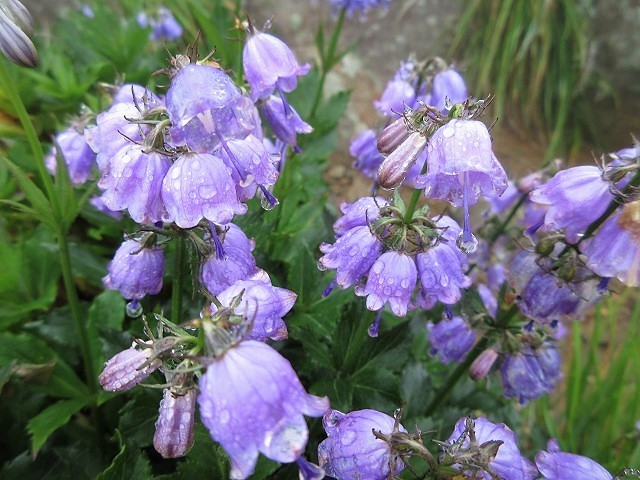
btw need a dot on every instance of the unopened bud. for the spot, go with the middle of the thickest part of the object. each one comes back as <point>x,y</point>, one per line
<point>174,428</point>
<point>128,368</point>
<point>18,14</point>
<point>392,136</point>
<point>395,167</point>
<point>15,44</point>
<point>481,366</point>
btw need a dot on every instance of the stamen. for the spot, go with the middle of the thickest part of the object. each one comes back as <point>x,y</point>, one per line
<point>288,112</point>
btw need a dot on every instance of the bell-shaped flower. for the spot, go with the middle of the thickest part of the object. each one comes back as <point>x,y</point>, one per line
<point>270,65</point>
<point>576,197</point>
<point>163,24</point>
<point>391,279</point>
<point>450,340</point>
<point>397,95</point>
<point>450,85</point>
<point>135,270</point>
<point>200,186</point>
<point>249,161</point>
<point>361,6</point>
<point>251,401</point>
<point>134,183</point>
<point>128,368</point>
<point>77,154</point>
<point>353,254</point>
<point>174,433</point>
<point>531,372</point>
<point>284,120</point>
<point>554,464</point>
<point>360,213</point>
<point>364,150</point>
<point>352,451</point>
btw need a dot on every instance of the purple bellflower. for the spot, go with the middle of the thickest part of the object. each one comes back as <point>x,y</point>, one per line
<point>174,433</point>
<point>251,401</point>
<point>270,65</point>
<point>163,24</point>
<point>200,186</point>
<point>531,372</point>
<point>450,340</point>
<point>576,197</point>
<point>128,368</point>
<point>509,463</point>
<point>352,451</point>
<point>364,150</point>
<point>397,95</point>
<point>450,85</point>
<point>285,127</point>
<point>361,6</point>
<point>135,270</point>
<point>360,213</point>
<point>554,464</point>
<point>77,154</point>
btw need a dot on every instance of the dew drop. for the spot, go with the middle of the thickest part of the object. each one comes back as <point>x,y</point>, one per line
<point>133,309</point>
<point>321,266</point>
<point>448,132</point>
<point>206,191</point>
<point>467,243</point>
<point>266,204</point>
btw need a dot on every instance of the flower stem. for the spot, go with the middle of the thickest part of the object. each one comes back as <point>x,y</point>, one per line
<point>501,228</point>
<point>327,61</point>
<point>178,280</point>
<point>408,215</point>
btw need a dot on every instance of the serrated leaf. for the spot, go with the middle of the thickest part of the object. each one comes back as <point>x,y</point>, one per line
<point>415,386</point>
<point>130,463</point>
<point>50,419</point>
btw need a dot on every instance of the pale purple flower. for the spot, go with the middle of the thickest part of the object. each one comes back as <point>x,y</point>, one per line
<point>397,95</point>
<point>128,368</point>
<point>163,24</point>
<point>450,340</point>
<point>200,186</point>
<point>555,464</point>
<point>509,197</point>
<point>252,401</point>
<point>391,279</point>
<point>576,197</point>
<point>270,65</point>
<point>365,151</point>
<point>285,124</point>
<point>483,364</point>
<point>77,154</point>
<point>262,304</point>
<point>133,93</point>
<point>360,213</point>
<point>352,255</point>
<point>134,183</point>
<point>135,270</point>
<point>509,463</point>
<point>174,428</point>
<point>99,205</point>
<point>352,451</point>
<point>450,85</point>
<point>249,161</point>
<point>531,372</point>
<point>361,6</point>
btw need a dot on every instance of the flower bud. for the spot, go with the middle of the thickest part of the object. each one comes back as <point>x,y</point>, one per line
<point>395,167</point>
<point>128,368</point>
<point>392,136</point>
<point>15,44</point>
<point>481,366</point>
<point>174,428</point>
<point>18,14</point>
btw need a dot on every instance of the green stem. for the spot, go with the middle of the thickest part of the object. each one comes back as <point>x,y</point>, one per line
<point>178,280</point>
<point>408,215</point>
<point>501,228</point>
<point>327,61</point>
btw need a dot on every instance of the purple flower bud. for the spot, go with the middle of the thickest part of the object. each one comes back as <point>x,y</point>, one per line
<point>352,255</point>
<point>174,428</point>
<point>558,465</point>
<point>614,251</point>
<point>263,305</point>
<point>76,153</point>
<point>127,369</point>
<point>269,64</point>
<point>367,158</point>
<point>135,271</point>
<point>482,365</point>
<point>15,43</point>
<point>391,279</point>
<point>199,186</point>
<point>285,124</point>
<point>450,340</point>
<point>252,401</point>
<point>360,213</point>
<point>134,183</point>
<point>460,160</point>
<point>576,197</point>
<point>396,166</point>
<point>509,463</point>
<point>448,84</point>
<point>18,14</point>
<point>530,373</point>
<point>393,136</point>
<point>352,451</point>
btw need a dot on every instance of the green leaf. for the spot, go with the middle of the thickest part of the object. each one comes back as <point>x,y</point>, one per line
<point>106,313</point>
<point>138,417</point>
<point>50,419</point>
<point>130,463</point>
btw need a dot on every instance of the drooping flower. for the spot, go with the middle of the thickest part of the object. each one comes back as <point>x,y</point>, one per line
<point>576,197</point>
<point>128,368</point>
<point>555,464</point>
<point>391,279</point>
<point>360,213</point>
<point>174,433</point>
<point>251,401</point>
<point>364,150</point>
<point>163,24</point>
<point>270,65</point>
<point>508,463</point>
<point>358,6</point>
<point>76,153</point>
<point>285,127</point>
<point>135,270</point>
<point>352,451</point>
<point>450,340</point>
<point>199,186</point>
<point>397,95</point>
<point>531,372</point>
<point>450,85</point>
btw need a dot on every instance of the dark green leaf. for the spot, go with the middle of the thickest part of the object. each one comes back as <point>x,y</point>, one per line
<point>106,313</point>
<point>50,419</point>
<point>138,417</point>
<point>130,463</point>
